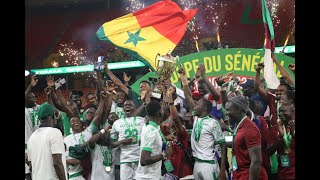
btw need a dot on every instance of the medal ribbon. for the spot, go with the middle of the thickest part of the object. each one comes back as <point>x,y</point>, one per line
<point>132,126</point>
<point>198,128</point>
<point>286,137</point>
<point>107,156</point>
<point>81,139</point>
<point>119,113</point>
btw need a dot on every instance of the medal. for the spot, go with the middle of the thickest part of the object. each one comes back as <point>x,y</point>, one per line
<point>108,168</point>
<point>134,139</point>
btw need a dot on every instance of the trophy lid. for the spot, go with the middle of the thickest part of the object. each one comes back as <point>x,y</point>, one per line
<point>168,57</point>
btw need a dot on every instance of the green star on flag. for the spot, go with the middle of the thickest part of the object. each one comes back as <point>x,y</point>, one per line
<point>134,38</point>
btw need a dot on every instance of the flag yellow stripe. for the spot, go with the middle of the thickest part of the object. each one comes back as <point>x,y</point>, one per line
<point>117,32</point>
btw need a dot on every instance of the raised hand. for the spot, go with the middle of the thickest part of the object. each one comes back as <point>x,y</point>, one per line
<point>260,66</point>
<point>181,71</point>
<point>50,81</point>
<point>292,67</point>
<point>34,80</point>
<point>126,78</point>
<point>110,86</point>
<point>47,90</point>
<point>103,94</point>
<point>291,126</point>
<point>170,91</point>
<point>143,95</point>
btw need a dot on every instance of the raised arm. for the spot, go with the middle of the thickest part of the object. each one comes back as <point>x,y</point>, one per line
<point>257,84</point>
<point>212,90</point>
<point>115,80</point>
<point>64,104</point>
<point>99,84</point>
<point>97,117</point>
<point>283,72</point>
<point>186,88</point>
<point>33,83</point>
<point>173,111</point>
<point>47,91</point>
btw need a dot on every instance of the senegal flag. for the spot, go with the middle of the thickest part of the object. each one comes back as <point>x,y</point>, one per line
<point>269,73</point>
<point>155,29</point>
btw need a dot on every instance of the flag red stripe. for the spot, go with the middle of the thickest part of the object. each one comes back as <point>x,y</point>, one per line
<point>167,18</point>
<point>269,44</point>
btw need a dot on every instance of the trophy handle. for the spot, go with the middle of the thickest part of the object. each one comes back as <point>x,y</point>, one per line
<point>155,60</point>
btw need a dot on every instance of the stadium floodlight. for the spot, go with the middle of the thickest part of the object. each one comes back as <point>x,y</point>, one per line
<point>86,68</point>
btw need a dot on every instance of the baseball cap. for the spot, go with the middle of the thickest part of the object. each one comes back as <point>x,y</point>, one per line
<point>248,83</point>
<point>45,110</point>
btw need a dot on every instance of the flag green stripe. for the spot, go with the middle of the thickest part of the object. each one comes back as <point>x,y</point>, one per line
<point>267,19</point>
<point>101,35</point>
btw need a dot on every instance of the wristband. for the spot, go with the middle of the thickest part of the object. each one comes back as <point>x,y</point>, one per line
<point>172,103</point>
<point>102,131</point>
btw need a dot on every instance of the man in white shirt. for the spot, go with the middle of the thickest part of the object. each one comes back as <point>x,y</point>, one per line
<point>205,134</point>
<point>152,140</point>
<point>46,151</point>
<point>77,137</point>
<point>128,128</point>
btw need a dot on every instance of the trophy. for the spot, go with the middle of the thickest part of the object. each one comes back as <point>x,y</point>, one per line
<point>165,65</point>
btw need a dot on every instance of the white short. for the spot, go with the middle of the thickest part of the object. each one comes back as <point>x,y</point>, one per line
<point>127,170</point>
<point>205,171</point>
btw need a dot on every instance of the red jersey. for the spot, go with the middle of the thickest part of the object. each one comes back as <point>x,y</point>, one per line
<point>247,136</point>
<point>287,172</point>
<point>178,157</point>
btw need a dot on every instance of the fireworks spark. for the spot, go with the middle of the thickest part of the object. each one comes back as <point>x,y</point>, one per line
<point>216,13</point>
<point>72,55</point>
<point>189,4</point>
<point>133,5</point>
<point>273,6</point>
